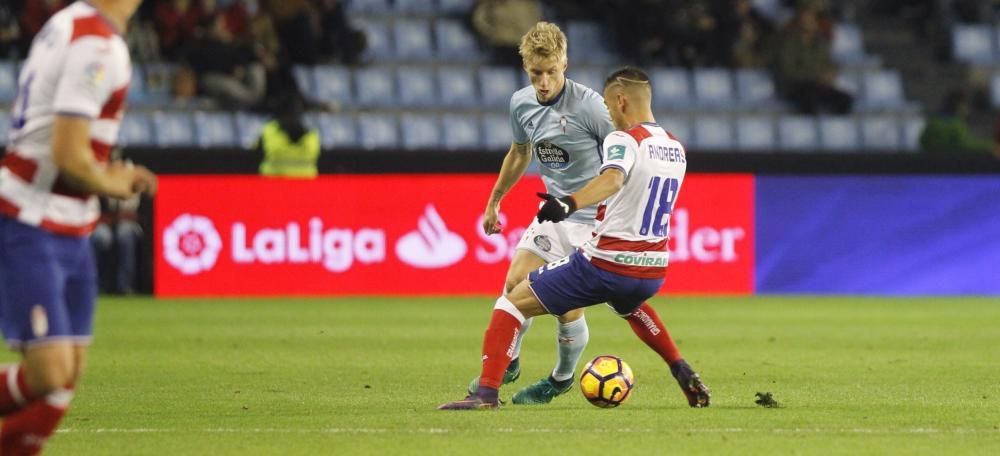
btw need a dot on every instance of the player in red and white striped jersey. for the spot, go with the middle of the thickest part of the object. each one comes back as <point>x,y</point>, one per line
<point>66,117</point>
<point>626,261</point>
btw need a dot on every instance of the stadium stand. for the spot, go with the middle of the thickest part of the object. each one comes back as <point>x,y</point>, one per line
<point>425,71</point>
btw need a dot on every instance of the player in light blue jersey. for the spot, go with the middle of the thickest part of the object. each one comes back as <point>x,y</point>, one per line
<point>562,124</point>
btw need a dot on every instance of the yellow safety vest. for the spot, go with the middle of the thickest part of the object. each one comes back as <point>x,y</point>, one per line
<point>284,158</point>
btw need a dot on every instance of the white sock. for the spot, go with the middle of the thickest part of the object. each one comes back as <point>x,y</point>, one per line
<point>572,339</point>
<point>520,337</point>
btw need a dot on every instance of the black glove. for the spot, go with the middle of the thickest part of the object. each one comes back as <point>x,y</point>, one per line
<point>555,209</point>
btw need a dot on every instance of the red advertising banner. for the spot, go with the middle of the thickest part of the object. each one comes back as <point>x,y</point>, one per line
<point>402,234</point>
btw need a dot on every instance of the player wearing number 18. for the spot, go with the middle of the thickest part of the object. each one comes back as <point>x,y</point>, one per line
<point>626,261</point>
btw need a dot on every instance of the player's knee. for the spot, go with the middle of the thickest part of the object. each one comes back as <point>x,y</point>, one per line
<point>571,316</point>
<point>52,373</point>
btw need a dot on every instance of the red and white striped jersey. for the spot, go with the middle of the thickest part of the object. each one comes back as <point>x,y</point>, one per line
<point>633,225</point>
<point>78,66</point>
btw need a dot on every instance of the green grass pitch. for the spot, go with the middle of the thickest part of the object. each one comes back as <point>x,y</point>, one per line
<point>364,375</point>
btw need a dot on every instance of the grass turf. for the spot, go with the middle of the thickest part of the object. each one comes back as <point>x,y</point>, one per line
<point>364,375</point>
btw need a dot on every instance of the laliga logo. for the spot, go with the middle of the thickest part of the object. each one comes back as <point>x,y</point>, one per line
<point>431,245</point>
<point>191,244</point>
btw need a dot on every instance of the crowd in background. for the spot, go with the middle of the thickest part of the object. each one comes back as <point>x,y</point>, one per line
<point>239,53</point>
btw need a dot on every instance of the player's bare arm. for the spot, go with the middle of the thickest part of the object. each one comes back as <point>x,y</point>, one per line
<point>514,165</point>
<point>73,155</point>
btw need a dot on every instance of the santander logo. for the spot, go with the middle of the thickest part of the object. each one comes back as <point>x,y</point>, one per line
<point>191,244</point>
<point>432,245</point>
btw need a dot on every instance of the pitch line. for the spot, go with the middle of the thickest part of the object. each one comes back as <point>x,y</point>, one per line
<point>918,430</point>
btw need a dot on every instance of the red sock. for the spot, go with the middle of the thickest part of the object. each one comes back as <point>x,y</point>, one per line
<point>498,347</point>
<point>25,432</point>
<point>14,392</point>
<point>647,325</point>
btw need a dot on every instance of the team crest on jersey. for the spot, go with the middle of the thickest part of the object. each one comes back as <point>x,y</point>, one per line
<point>616,152</point>
<point>530,126</point>
<point>551,156</point>
<point>543,242</point>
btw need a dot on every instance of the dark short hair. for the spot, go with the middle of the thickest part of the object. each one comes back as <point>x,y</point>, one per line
<point>626,75</point>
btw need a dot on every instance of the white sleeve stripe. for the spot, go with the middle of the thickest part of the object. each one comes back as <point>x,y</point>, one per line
<point>615,166</point>
<point>74,114</point>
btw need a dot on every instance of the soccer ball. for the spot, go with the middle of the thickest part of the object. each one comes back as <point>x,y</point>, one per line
<point>606,381</point>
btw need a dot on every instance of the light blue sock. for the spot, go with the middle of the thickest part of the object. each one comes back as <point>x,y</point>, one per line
<point>573,337</point>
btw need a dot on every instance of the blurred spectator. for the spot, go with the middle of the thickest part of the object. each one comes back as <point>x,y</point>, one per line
<point>742,33</point>
<point>501,23</point>
<point>176,22</point>
<point>10,32</point>
<point>228,71</point>
<point>143,41</point>
<point>948,131</point>
<point>803,69</point>
<point>34,13</point>
<point>288,147</point>
<point>643,38</point>
<point>340,41</point>
<point>297,24</point>
<point>115,240</point>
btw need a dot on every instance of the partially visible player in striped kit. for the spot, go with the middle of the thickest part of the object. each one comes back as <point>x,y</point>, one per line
<point>69,107</point>
<point>625,262</point>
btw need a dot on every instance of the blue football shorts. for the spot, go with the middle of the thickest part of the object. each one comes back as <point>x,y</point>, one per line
<point>48,286</point>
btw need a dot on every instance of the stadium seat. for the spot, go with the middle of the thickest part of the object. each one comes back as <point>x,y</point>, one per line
<point>588,43</point>
<point>8,81</point>
<point>849,81</point>
<point>839,134</point>
<point>422,7</point>
<point>455,42</point>
<point>4,127</point>
<point>713,132</point>
<point>455,6</point>
<point>589,76</point>
<point>305,79</point>
<point>375,87</point>
<point>136,85</point>
<point>678,125</point>
<point>416,87</point>
<point>497,85</point>
<point>755,133</point>
<point>880,133</point>
<point>173,129</point>
<point>713,87</point>
<point>412,39</point>
<point>378,131</point>
<point>912,127</point>
<point>496,134</point>
<point>457,87</point>
<point>882,89</point>
<point>356,7</point>
<point>772,9</point>
<point>798,133</point>
<point>755,88</point>
<point>848,46</point>
<point>214,129</point>
<point>460,131</point>
<point>972,44</point>
<point>136,130</point>
<point>995,90</point>
<point>335,130</point>
<point>332,84</point>
<point>671,88</point>
<point>379,40</point>
<point>420,131</point>
<point>248,127</point>
<point>159,81</point>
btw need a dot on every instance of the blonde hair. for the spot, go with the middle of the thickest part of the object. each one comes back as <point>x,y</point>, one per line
<point>544,40</point>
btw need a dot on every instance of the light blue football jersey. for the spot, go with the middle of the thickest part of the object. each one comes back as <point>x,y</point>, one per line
<point>565,136</point>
